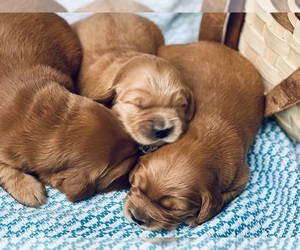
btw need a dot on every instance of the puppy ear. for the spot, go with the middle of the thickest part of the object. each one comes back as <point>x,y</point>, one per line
<point>98,89</point>
<point>139,164</point>
<point>211,201</point>
<point>191,108</point>
<point>106,96</point>
<point>132,173</point>
<point>117,178</point>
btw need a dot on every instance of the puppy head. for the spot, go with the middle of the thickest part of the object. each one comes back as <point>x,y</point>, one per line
<point>166,192</point>
<point>152,101</point>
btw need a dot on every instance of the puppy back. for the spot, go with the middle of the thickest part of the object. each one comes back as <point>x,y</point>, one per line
<point>38,38</point>
<point>31,6</point>
<point>119,31</point>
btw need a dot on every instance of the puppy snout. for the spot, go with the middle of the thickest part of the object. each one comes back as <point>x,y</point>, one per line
<point>136,220</point>
<point>159,129</point>
<point>138,216</point>
<point>162,133</point>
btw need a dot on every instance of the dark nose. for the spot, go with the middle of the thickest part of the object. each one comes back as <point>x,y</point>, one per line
<point>136,220</point>
<point>160,134</point>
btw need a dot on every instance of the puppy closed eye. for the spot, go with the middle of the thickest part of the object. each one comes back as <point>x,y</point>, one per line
<point>138,102</point>
<point>172,203</point>
<point>181,101</point>
<point>182,105</point>
<point>185,103</point>
<point>136,97</point>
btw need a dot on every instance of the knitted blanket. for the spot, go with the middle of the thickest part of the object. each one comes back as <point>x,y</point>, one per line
<point>268,207</point>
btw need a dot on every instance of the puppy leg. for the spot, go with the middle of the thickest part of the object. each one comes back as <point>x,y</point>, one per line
<point>23,187</point>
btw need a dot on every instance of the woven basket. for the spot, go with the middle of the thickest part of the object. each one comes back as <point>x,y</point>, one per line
<point>270,39</point>
<point>272,43</point>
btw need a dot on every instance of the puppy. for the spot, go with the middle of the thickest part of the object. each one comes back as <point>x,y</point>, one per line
<point>147,92</point>
<point>49,135</point>
<point>30,6</point>
<point>192,179</point>
<point>114,6</point>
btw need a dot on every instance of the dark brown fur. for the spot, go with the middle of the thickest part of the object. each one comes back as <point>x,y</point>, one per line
<point>192,179</point>
<point>47,133</point>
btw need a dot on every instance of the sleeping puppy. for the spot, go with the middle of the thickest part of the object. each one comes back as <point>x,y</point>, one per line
<point>49,135</point>
<point>114,6</point>
<point>192,179</point>
<point>146,92</point>
<point>30,6</point>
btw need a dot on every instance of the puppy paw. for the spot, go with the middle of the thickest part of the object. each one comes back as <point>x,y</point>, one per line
<point>27,190</point>
<point>30,192</point>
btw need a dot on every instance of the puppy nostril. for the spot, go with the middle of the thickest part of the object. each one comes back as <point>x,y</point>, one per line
<point>139,222</point>
<point>160,134</point>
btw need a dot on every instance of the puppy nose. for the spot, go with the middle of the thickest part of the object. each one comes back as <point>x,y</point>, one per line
<point>160,134</point>
<point>138,221</point>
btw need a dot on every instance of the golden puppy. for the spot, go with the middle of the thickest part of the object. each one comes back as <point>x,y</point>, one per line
<point>114,6</point>
<point>30,6</point>
<point>47,133</point>
<point>192,179</point>
<point>147,92</point>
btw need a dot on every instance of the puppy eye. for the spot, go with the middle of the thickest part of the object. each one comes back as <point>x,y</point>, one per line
<point>143,105</point>
<point>138,102</point>
<point>170,203</point>
<point>182,105</point>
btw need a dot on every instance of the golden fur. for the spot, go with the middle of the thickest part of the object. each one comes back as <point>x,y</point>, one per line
<point>31,6</point>
<point>119,65</point>
<point>114,6</point>
<point>192,179</point>
<point>49,135</point>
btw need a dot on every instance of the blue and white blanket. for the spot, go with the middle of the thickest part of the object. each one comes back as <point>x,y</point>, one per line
<point>268,207</point>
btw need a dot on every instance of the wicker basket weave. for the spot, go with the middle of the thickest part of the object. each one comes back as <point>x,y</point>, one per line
<point>268,34</point>
<point>272,43</point>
